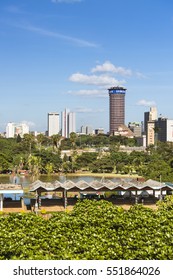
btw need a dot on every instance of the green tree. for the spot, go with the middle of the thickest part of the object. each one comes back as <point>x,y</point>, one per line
<point>49,168</point>
<point>28,142</point>
<point>56,141</point>
<point>34,164</point>
<point>73,138</point>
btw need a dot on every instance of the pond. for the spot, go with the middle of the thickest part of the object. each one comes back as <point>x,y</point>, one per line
<point>26,181</point>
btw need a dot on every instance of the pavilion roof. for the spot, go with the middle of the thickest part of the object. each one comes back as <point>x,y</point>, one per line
<point>103,185</point>
<point>10,188</point>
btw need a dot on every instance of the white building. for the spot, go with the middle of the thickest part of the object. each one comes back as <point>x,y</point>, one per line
<point>53,124</point>
<point>68,123</point>
<point>88,130</point>
<point>13,129</point>
<point>71,123</point>
<point>153,114</point>
<point>64,123</point>
<point>169,135</point>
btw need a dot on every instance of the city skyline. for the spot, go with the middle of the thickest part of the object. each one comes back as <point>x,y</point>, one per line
<point>66,54</point>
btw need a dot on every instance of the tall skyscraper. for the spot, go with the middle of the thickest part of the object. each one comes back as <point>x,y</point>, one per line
<point>68,123</point>
<point>149,116</point>
<point>71,123</point>
<point>149,125</point>
<point>164,129</point>
<point>53,123</point>
<point>116,108</point>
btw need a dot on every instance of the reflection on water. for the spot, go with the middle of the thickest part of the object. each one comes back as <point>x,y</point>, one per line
<point>25,181</point>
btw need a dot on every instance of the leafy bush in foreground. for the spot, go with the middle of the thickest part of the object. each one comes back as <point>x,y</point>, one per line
<point>93,230</point>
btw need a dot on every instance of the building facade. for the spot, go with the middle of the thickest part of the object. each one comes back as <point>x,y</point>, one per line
<point>150,137</point>
<point>136,128</point>
<point>53,124</point>
<point>68,123</point>
<point>164,129</point>
<point>71,123</point>
<point>87,130</point>
<point>149,116</point>
<point>99,130</point>
<point>116,108</point>
<point>14,129</point>
<point>150,119</point>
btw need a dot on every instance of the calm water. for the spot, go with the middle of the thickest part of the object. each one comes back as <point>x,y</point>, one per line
<point>26,181</point>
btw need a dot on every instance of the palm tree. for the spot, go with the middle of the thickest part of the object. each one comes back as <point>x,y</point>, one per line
<point>56,140</point>
<point>34,164</point>
<point>29,140</point>
<point>73,138</point>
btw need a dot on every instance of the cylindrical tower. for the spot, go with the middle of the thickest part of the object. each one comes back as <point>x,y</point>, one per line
<point>116,108</point>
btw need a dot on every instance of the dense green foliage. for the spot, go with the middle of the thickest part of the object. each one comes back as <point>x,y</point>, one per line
<point>43,154</point>
<point>95,230</point>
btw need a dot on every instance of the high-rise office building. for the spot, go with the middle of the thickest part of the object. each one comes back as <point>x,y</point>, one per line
<point>53,124</point>
<point>14,129</point>
<point>116,108</point>
<point>164,129</point>
<point>68,123</point>
<point>64,123</point>
<point>149,125</point>
<point>149,116</point>
<point>71,123</point>
<point>88,130</point>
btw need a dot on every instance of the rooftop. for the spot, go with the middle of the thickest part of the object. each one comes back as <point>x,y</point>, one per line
<point>10,188</point>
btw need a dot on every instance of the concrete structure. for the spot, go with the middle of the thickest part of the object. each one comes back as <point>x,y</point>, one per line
<point>68,123</point>
<point>123,130</point>
<point>136,128</point>
<point>14,129</point>
<point>131,192</point>
<point>83,129</point>
<point>116,108</point>
<point>99,131</point>
<point>71,123</point>
<point>141,141</point>
<point>149,116</point>
<point>150,137</point>
<point>88,130</point>
<point>64,123</point>
<point>153,114</point>
<point>10,189</point>
<point>53,124</point>
<point>150,119</point>
<point>164,129</point>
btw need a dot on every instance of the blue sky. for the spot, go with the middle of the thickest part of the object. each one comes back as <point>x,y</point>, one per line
<point>57,54</point>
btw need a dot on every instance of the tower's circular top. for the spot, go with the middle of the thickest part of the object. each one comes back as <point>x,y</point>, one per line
<point>117,90</point>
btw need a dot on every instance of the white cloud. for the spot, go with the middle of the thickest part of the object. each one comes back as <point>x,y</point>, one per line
<point>140,75</point>
<point>101,80</point>
<point>109,67</point>
<point>90,92</point>
<point>102,76</point>
<point>144,102</point>
<point>29,123</point>
<point>48,33</point>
